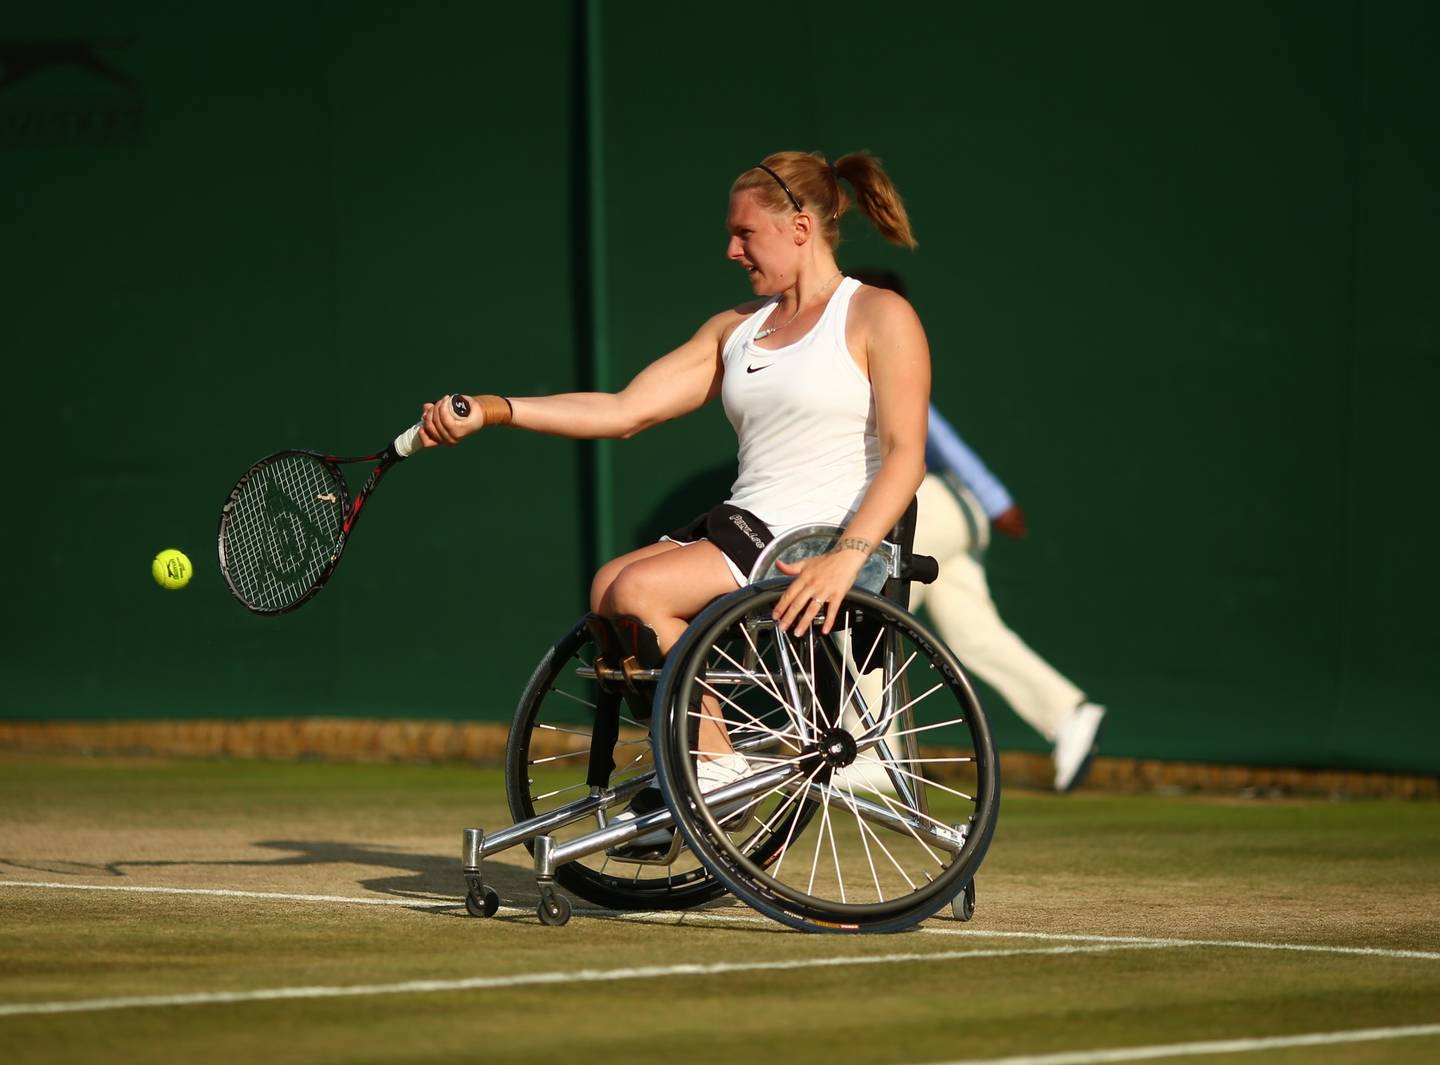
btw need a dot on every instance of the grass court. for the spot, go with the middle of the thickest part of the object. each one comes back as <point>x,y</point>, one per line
<point>239,911</point>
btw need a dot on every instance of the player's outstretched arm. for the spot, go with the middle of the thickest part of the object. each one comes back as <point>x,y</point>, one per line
<point>674,384</point>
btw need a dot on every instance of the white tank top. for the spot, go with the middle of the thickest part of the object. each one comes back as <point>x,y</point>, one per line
<point>805,417</point>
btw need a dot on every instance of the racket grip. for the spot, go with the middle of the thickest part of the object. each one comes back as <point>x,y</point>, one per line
<point>408,442</point>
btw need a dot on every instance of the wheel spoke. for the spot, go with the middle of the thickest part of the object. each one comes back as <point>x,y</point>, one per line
<point>789,666</point>
<point>790,835</point>
<point>878,726</point>
<point>809,675</point>
<point>848,660</point>
<point>573,698</point>
<point>560,757</point>
<point>900,710</point>
<point>863,827</point>
<point>819,839</point>
<point>901,810</point>
<point>928,728</point>
<point>920,814</point>
<point>774,688</point>
<point>771,690</point>
<point>818,716</point>
<point>567,731</point>
<point>633,762</point>
<point>790,800</point>
<point>835,855</point>
<point>560,791</point>
<point>758,725</point>
<point>926,780</point>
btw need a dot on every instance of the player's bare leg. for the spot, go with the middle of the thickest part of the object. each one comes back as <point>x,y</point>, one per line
<point>665,585</point>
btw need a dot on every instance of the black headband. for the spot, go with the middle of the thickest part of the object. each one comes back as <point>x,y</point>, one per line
<point>781,182</point>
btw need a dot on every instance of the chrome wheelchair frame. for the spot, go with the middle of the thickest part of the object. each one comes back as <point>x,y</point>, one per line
<point>871,740</point>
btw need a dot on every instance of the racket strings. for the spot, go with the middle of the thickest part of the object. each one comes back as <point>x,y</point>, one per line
<point>283,527</point>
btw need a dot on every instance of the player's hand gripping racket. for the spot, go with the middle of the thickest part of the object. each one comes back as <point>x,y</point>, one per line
<point>286,523</point>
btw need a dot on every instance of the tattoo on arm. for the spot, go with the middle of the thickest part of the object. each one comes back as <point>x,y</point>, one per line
<point>852,543</point>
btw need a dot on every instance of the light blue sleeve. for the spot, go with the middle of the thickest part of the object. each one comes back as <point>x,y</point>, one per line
<point>944,450</point>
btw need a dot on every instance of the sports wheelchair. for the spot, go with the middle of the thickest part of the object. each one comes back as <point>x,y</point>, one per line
<point>870,786</point>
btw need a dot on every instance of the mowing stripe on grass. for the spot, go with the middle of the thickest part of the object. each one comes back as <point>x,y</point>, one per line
<point>226,893</point>
<point>1214,1046</point>
<point>709,917</point>
<point>690,916</point>
<point>687,917</point>
<point>485,983</point>
<point>1234,944</point>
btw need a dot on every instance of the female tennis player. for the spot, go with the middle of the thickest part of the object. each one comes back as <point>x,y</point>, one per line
<point>827,384</point>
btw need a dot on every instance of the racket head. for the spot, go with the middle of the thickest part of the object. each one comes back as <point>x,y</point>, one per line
<point>282,529</point>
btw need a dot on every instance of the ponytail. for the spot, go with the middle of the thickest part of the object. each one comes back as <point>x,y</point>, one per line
<point>797,181</point>
<point>877,197</point>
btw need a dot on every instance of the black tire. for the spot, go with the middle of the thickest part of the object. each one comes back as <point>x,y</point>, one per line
<point>553,909</point>
<point>901,863</point>
<point>486,904</point>
<point>963,905</point>
<point>553,721</point>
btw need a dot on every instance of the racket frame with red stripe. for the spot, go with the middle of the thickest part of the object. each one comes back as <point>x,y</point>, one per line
<point>263,517</point>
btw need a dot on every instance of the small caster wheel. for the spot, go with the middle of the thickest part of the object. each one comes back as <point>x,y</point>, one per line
<point>962,907</point>
<point>482,905</point>
<point>554,910</point>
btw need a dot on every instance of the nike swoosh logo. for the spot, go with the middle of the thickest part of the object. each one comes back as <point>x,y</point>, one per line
<point>754,369</point>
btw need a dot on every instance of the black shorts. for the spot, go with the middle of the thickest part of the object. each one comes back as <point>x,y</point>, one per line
<point>739,535</point>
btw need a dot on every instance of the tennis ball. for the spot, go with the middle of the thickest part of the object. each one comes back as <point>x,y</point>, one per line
<point>171,569</point>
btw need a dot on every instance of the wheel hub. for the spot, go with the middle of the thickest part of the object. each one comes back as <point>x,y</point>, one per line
<point>836,748</point>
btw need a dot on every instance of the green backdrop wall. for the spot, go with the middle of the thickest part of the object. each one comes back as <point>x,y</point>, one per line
<point>1176,265</point>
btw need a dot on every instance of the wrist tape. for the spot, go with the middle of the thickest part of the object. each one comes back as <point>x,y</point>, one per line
<point>496,410</point>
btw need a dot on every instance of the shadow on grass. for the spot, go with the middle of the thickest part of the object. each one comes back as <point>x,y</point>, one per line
<point>426,878</point>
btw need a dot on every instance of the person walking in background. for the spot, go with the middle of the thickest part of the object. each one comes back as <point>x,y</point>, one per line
<point>960,500</point>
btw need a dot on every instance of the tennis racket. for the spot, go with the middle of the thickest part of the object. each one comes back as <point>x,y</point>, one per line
<point>286,524</point>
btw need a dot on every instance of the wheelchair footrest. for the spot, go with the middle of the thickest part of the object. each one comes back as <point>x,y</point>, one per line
<point>658,847</point>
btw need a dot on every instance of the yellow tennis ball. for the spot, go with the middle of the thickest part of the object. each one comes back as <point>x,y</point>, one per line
<point>171,569</point>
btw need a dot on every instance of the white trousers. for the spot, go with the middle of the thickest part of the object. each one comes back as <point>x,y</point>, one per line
<point>959,603</point>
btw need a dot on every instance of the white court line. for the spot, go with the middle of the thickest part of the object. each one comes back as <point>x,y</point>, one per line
<point>1214,1046</point>
<point>225,893</point>
<point>1232,944</point>
<point>710,917</point>
<point>20,1009</point>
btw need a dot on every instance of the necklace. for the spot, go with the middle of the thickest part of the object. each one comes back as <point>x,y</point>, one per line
<point>776,328</point>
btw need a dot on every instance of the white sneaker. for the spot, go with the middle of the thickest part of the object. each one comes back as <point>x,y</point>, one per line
<point>1075,745</point>
<point>715,773</point>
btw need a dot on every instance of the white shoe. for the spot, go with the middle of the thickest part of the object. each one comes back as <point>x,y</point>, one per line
<point>715,773</point>
<point>1075,745</point>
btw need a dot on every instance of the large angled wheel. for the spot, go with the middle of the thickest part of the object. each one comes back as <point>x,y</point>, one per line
<point>867,750</point>
<point>546,764</point>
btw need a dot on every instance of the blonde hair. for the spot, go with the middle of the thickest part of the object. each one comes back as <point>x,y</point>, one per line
<point>789,181</point>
